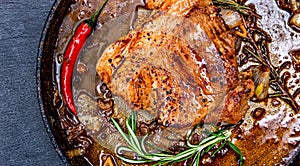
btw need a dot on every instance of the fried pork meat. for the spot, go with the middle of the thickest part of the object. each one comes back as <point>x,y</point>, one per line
<point>180,65</point>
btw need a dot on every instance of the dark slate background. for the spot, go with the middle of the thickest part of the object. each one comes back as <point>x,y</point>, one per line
<point>23,137</point>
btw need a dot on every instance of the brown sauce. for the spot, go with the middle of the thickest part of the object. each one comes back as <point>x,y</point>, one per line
<point>270,133</point>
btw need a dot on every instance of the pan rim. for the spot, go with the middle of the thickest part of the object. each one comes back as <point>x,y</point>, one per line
<point>39,83</point>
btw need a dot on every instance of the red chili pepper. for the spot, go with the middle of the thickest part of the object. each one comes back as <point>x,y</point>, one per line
<point>75,45</point>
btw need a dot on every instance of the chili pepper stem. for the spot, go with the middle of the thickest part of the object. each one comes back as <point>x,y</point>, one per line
<point>93,20</point>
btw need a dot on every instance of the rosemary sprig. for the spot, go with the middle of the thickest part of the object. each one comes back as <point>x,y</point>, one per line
<point>231,4</point>
<point>276,79</point>
<point>256,51</point>
<point>137,146</point>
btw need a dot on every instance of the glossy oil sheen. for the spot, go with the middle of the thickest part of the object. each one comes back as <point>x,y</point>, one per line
<point>273,137</point>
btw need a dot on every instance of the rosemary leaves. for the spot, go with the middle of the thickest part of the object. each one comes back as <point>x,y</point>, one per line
<point>139,146</point>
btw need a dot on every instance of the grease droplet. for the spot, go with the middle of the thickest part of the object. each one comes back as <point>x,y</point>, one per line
<point>103,136</point>
<point>258,113</point>
<point>275,102</point>
<point>81,68</point>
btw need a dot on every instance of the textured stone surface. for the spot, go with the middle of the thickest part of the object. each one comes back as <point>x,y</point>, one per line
<point>23,137</point>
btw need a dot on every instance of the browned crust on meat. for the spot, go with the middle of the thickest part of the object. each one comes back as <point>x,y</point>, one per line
<point>179,7</point>
<point>223,39</point>
<point>140,86</point>
<point>202,11</point>
<point>115,53</point>
<point>171,109</point>
<point>235,104</point>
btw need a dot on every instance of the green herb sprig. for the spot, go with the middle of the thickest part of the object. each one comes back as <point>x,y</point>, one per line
<point>277,83</point>
<point>258,50</point>
<point>234,6</point>
<point>138,146</point>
